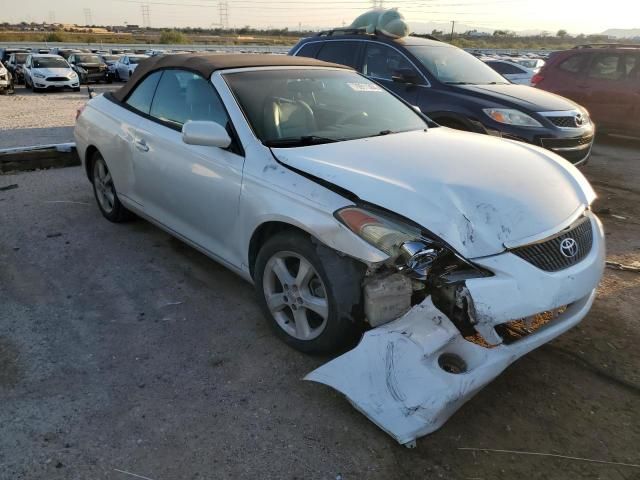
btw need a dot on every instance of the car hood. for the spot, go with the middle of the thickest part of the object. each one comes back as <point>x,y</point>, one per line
<point>475,192</point>
<point>53,72</point>
<point>522,96</point>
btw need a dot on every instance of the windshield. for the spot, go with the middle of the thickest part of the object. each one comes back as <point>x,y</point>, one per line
<point>455,66</point>
<point>49,62</point>
<point>528,63</point>
<point>88,59</point>
<point>290,108</point>
<point>21,57</point>
<point>110,58</point>
<point>136,59</point>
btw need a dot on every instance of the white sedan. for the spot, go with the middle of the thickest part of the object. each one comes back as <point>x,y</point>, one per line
<point>512,71</point>
<point>47,71</point>
<point>126,65</point>
<point>349,211</point>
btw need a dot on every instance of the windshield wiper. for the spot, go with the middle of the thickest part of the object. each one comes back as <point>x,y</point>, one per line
<point>299,141</point>
<point>458,83</point>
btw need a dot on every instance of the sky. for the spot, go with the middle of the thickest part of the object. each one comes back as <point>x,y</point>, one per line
<point>576,16</point>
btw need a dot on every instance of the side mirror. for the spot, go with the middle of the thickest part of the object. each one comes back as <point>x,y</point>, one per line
<point>211,134</point>
<point>405,75</point>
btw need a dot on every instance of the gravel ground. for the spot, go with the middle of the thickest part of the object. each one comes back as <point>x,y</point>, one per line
<point>123,350</point>
<point>25,113</point>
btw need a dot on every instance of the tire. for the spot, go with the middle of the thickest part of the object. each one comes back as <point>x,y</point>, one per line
<point>105,193</point>
<point>76,89</point>
<point>117,75</point>
<point>312,313</point>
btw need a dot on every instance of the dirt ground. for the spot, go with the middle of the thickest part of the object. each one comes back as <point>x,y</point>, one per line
<point>124,352</point>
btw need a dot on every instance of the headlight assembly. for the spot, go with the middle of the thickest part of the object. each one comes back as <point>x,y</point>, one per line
<point>72,75</point>
<point>378,229</point>
<point>510,116</point>
<point>406,245</point>
<point>38,75</point>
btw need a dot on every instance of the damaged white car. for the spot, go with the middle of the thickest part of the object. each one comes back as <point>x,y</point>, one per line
<point>455,253</point>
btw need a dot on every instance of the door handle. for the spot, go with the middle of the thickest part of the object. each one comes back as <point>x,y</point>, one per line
<point>142,145</point>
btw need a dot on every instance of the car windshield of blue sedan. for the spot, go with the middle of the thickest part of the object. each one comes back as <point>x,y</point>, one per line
<point>50,62</point>
<point>454,66</point>
<point>291,107</point>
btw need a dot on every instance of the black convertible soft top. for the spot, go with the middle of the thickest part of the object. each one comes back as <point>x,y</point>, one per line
<point>207,63</point>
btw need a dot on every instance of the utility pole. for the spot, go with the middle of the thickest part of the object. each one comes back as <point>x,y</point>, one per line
<point>453,25</point>
<point>146,20</point>
<point>224,14</point>
<point>87,17</point>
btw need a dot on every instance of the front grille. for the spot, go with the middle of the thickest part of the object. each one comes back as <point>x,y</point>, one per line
<point>553,143</point>
<point>573,149</point>
<point>564,122</point>
<point>548,255</point>
<point>57,79</point>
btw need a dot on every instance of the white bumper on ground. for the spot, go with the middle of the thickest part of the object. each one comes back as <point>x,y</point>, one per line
<point>394,376</point>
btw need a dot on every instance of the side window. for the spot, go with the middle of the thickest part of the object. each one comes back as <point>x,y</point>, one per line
<point>309,50</point>
<point>573,64</point>
<point>183,96</point>
<point>343,53</point>
<point>505,69</point>
<point>142,96</point>
<point>606,66</point>
<point>381,61</point>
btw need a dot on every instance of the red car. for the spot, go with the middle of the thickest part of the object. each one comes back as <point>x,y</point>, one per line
<point>604,78</point>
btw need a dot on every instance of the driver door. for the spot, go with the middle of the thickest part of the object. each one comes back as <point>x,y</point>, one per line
<point>192,189</point>
<point>381,63</point>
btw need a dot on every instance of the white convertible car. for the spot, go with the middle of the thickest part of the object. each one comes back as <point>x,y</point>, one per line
<point>350,212</point>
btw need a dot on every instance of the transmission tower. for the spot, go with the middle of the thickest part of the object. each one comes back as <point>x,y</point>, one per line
<point>52,16</point>
<point>224,14</point>
<point>146,20</point>
<point>377,3</point>
<point>88,20</point>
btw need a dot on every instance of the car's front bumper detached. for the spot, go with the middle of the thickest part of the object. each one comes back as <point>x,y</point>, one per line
<point>409,376</point>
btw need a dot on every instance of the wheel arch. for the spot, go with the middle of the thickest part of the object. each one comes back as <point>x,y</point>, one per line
<point>88,160</point>
<point>262,233</point>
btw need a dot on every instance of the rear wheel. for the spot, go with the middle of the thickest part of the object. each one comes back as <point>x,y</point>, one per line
<point>302,291</point>
<point>105,192</point>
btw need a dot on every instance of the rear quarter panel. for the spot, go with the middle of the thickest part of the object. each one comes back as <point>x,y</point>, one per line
<point>109,128</point>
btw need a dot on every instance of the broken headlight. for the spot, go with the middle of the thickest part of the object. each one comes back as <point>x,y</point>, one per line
<point>405,244</point>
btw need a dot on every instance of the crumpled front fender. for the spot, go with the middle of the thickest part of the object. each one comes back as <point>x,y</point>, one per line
<point>395,378</point>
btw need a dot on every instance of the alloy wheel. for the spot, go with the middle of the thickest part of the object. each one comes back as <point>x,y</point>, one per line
<point>105,190</point>
<point>295,295</point>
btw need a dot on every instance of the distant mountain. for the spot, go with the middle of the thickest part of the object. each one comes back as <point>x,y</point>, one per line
<point>622,32</point>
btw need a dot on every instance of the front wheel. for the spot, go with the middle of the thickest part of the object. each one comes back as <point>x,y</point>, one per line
<point>105,192</point>
<point>308,292</point>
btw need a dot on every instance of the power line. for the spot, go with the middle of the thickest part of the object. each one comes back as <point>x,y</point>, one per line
<point>88,20</point>
<point>224,14</point>
<point>146,18</point>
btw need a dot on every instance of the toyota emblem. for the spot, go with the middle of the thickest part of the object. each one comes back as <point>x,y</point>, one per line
<point>579,120</point>
<point>569,247</point>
